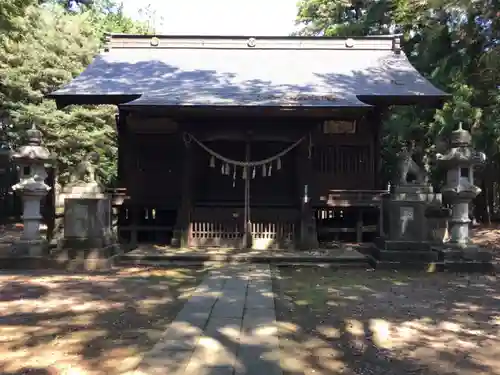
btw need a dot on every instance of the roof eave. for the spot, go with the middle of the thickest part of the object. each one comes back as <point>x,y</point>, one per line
<point>433,101</point>
<point>64,100</point>
<point>249,107</point>
<point>209,110</point>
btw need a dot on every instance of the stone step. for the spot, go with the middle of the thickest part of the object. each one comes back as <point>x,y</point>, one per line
<point>352,264</point>
<point>405,256</point>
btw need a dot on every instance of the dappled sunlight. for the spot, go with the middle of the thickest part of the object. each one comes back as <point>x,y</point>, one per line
<point>90,324</point>
<point>397,323</point>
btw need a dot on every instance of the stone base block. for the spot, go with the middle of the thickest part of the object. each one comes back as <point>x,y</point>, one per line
<point>409,266</point>
<point>85,243</point>
<point>86,218</point>
<point>23,262</point>
<point>31,248</point>
<point>86,259</point>
<point>455,253</point>
<point>391,245</point>
<point>402,254</point>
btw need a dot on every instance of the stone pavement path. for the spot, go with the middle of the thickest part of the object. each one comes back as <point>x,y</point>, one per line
<point>227,327</point>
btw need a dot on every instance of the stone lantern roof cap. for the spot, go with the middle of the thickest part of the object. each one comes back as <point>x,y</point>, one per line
<point>34,136</point>
<point>461,137</point>
<point>33,152</point>
<point>461,153</point>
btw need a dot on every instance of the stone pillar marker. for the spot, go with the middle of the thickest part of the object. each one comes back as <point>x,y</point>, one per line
<point>31,159</point>
<point>460,190</point>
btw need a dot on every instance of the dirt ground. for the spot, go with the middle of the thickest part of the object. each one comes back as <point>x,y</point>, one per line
<point>487,236</point>
<point>360,322</point>
<point>93,324</point>
<point>331,322</point>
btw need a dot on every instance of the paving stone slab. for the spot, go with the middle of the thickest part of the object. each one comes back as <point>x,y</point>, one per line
<point>257,318</point>
<point>199,304</point>
<point>265,290</point>
<point>202,300</point>
<point>228,309</point>
<point>214,352</point>
<point>227,327</point>
<point>211,352</point>
<point>173,363</point>
<point>192,316</point>
<point>264,335</point>
<point>232,295</point>
<point>178,336</point>
<point>209,370</point>
<point>256,360</point>
<point>218,323</point>
<point>225,331</point>
<point>260,283</point>
<point>254,302</point>
<point>239,287</point>
<point>213,283</point>
<point>258,367</point>
<point>256,277</point>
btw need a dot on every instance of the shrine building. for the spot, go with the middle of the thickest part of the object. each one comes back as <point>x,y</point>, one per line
<point>268,142</point>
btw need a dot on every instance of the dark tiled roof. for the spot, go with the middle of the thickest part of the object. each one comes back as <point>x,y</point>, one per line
<point>227,72</point>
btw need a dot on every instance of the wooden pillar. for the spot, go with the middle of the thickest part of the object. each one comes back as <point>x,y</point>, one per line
<point>375,120</point>
<point>183,224</point>
<point>134,212</point>
<point>307,235</point>
<point>247,224</point>
<point>359,226</point>
<point>381,208</point>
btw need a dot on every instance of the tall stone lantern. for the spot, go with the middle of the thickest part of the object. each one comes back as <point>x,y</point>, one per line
<point>31,160</point>
<point>459,190</point>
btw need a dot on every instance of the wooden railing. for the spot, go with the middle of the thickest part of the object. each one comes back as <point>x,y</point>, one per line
<point>350,211</point>
<point>224,227</point>
<point>353,198</point>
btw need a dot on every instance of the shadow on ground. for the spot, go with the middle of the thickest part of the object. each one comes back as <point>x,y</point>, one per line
<point>32,371</point>
<point>329,322</point>
<point>387,323</point>
<point>91,323</point>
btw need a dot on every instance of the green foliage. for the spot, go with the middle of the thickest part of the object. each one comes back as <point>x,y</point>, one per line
<point>42,48</point>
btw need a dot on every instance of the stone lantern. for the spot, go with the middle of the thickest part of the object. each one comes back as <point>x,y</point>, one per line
<point>459,190</point>
<point>31,160</point>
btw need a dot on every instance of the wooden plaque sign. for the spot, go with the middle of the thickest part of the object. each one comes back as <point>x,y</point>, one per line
<point>339,127</point>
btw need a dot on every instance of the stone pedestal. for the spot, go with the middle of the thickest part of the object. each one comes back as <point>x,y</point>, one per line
<point>87,222</point>
<point>407,212</point>
<point>82,190</point>
<point>88,241</point>
<point>411,231</point>
<point>31,242</point>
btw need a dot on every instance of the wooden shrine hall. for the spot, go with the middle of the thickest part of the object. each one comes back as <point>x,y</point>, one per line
<point>268,142</point>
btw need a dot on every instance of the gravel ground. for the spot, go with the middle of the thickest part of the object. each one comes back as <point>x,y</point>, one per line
<point>361,322</point>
